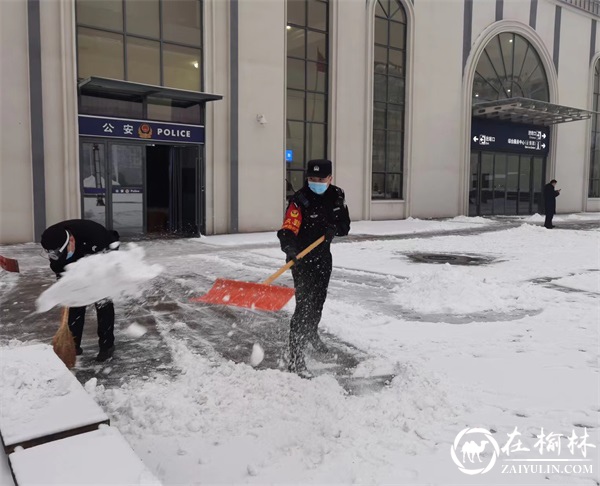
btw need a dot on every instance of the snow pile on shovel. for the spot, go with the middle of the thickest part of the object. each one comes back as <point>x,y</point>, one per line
<point>114,275</point>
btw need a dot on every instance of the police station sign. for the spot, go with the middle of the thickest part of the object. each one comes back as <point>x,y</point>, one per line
<point>509,137</point>
<point>97,126</point>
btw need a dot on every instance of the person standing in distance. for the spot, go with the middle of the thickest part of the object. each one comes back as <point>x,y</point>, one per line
<point>65,243</point>
<point>550,195</point>
<point>317,209</point>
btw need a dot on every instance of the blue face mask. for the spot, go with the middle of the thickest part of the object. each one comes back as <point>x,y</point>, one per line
<point>317,187</point>
<point>70,254</point>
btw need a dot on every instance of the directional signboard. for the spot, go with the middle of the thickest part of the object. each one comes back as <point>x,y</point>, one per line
<point>509,137</point>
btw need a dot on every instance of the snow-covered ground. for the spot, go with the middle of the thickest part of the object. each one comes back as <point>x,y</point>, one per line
<point>509,344</point>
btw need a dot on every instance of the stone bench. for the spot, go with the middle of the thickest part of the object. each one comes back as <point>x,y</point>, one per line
<point>99,457</point>
<point>41,400</point>
<point>55,433</point>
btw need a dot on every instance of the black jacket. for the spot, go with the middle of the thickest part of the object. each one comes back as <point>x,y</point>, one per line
<point>307,217</point>
<point>90,237</point>
<point>550,195</point>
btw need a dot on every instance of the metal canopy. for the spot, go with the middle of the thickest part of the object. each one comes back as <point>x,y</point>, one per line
<point>533,112</point>
<point>126,90</point>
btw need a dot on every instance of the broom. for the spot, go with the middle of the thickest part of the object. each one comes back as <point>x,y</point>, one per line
<point>63,341</point>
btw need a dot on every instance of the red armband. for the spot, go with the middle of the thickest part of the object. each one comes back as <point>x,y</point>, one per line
<point>293,219</point>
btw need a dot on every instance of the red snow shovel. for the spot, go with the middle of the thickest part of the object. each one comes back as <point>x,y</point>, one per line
<point>263,296</point>
<point>9,264</point>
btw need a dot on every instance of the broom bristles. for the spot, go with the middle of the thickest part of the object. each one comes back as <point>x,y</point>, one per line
<point>63,341</point>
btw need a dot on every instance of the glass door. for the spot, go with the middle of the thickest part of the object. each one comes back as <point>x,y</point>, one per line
<point>184,205</point>
<point>486,180</point>
<point>474,185</point>
<point>500,183</point>
<point>525,185</point>
<point>505,183</point>
<point>127,188</point>
<point>93,180</point>
<point>512,183</point>
<point>539,173</point>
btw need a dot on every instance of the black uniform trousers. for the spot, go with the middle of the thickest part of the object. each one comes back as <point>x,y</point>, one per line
<point>105,312</point>
<point>311,279</point>
<point>548,222</point>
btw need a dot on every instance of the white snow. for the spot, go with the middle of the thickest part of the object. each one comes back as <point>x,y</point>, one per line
<point>540,218</point>
<point>7,280</point>
<point>100,457</point>
<point>136,330</point>
<point>39,396</point>
<point>375,228</point>
<point>589,281</point>
<point>258,354</point>
<point>448,289</point>
<point>414,225</point>
<point>114,275</point>
<point>496,346</point>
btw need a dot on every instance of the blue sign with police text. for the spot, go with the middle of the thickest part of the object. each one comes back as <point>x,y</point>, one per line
<point>149,131</point>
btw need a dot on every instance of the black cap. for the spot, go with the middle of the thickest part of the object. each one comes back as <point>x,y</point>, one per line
<point>319,168</point>
<point>54,238</point>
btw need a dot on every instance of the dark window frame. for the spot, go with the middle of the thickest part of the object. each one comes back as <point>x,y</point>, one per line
<point>306,121</point>
<point>160,40</point>
<point>397,106</point>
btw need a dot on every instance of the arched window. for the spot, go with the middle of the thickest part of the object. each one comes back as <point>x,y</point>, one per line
<point>594,190</point>
<point>388,100</point>
<point>307,86</point>
<point>510,67</point>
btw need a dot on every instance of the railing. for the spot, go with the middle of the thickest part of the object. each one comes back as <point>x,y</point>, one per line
<point>591,6</point>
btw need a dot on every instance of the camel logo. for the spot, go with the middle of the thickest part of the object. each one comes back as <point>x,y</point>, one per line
<point>475,458</point>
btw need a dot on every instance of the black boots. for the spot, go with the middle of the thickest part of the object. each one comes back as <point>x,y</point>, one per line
<point>318,345</point>
<point>298,366</point>
<point>105,354</point>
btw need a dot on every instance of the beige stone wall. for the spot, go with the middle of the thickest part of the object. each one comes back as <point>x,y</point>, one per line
<point>216,80</point>
<point>262,35</point>
<point>16,197</point>
<point>59,76</point>
<point>436,144</point>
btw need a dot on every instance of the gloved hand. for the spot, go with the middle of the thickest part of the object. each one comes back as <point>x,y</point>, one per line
<point>330,233</point>
<point>290,253</point>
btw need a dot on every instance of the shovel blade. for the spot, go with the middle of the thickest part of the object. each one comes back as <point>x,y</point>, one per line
<point>247,294</point>
<point>9,264</point>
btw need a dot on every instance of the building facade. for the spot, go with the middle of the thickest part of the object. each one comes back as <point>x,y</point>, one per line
<point>189,116</point>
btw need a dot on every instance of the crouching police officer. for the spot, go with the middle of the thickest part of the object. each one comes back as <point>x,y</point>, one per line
<point>318,209</point>
<point>65,243</point>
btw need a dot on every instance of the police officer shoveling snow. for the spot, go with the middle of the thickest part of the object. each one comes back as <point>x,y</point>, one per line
<point>317,209</point>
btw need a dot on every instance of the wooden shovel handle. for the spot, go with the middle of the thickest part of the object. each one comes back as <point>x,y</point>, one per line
<point>300,255</point>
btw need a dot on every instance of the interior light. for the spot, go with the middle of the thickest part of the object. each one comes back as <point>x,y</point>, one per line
<point>288,27</point>
<point>508,90</point>
<point>510,40</point>
<point>476,95</point>
<point>195,63</point>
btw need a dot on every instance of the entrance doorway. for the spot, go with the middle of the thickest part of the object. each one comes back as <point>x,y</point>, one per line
<point>137,188</point>
<point>506,183</point>
<point>171,179</point>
